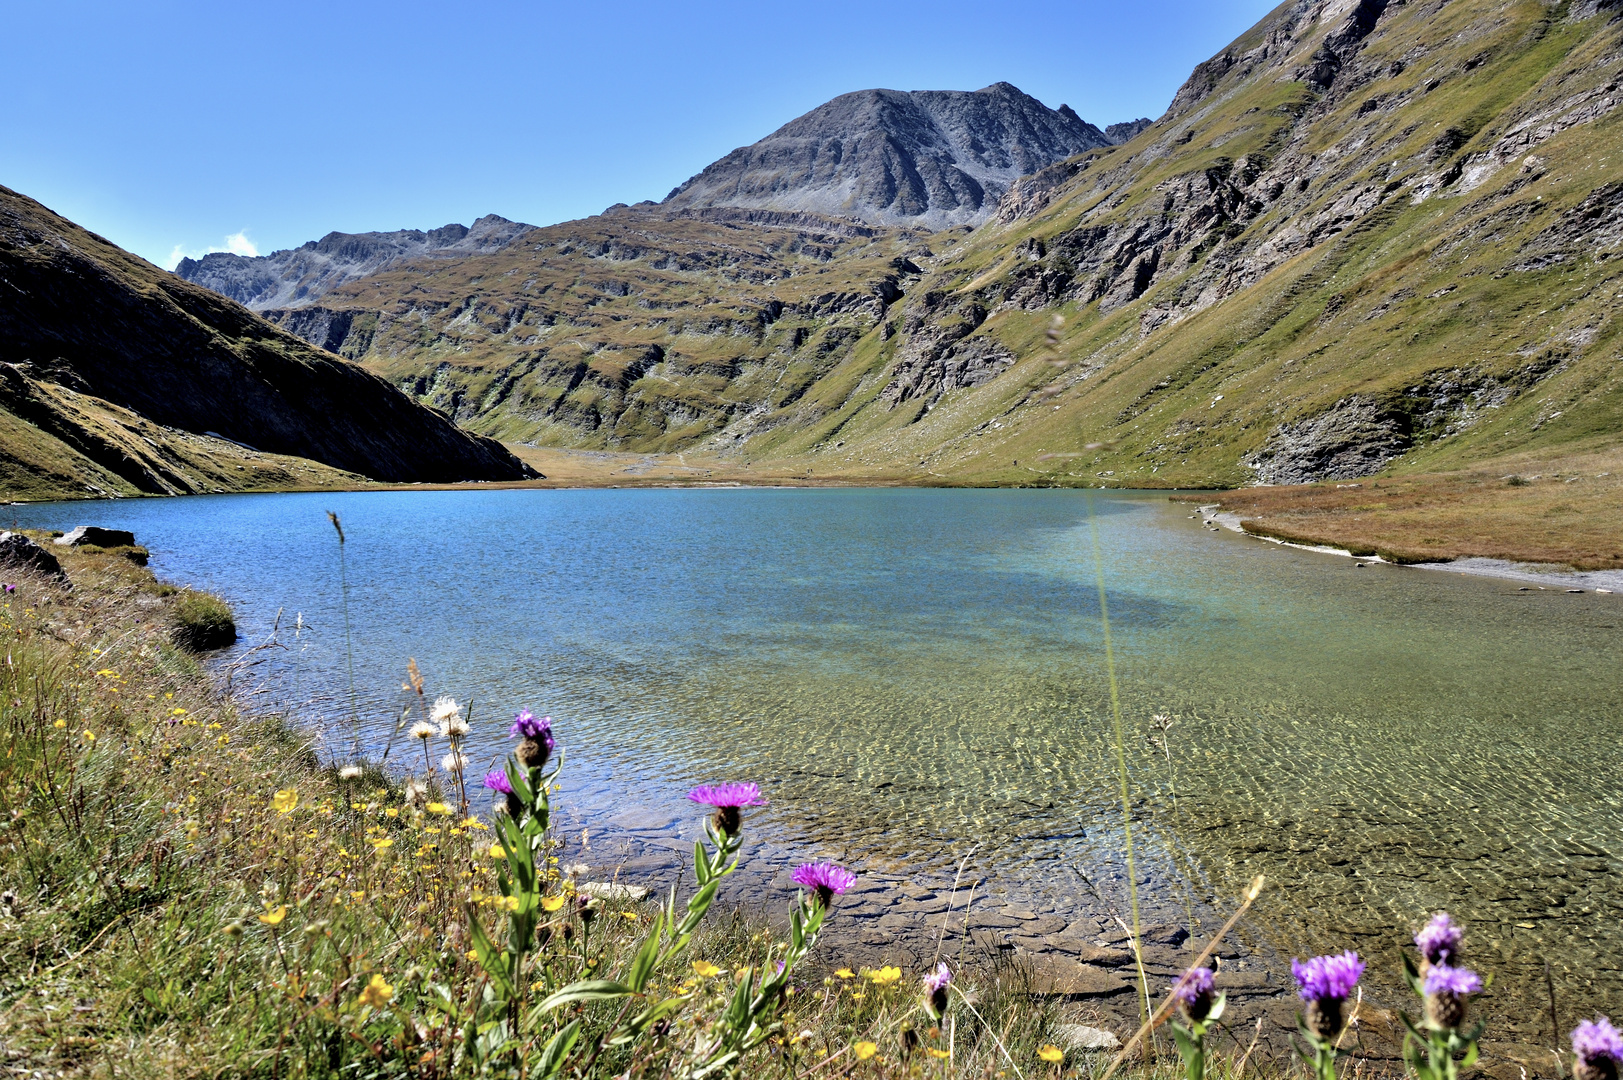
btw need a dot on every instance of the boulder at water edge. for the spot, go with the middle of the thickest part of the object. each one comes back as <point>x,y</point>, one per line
<point>19,552</point>
<point>95,534</point>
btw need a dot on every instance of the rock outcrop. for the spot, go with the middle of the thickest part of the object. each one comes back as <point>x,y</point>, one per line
<point>928,158</point>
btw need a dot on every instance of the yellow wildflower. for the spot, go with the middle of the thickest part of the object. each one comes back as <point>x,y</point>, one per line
<point>549,904</point>
<point>90,736</point>
<point>274,917</point>
<point>933,1052</point>
<point>845,973</point>
<point>509,903</point>
<point>437,808</point>
<point>629,915</point>
<point>1051,1054</point>
<point>108,671</point>
<point>377,993</point>
<point>382,842</point>
<point>60,724</point>
<point>285,800</point>
<point>475,823</point>
<point>391,812</point>
<point>885,976</point>
<point>496,852</point>
<point>865,1050</point>
<point>704,969</point>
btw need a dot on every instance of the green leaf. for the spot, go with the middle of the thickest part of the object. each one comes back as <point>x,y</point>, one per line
<point>589,990</point>
<point>701,864</point>
<point>643,965</point>
<point>552,1059</point>
<point>489,959</point>
<point>640,1023</point>
<point>697,906</point>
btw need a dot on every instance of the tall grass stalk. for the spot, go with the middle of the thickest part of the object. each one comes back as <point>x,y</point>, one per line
<point>349,645</point>
<point>1121,764</point>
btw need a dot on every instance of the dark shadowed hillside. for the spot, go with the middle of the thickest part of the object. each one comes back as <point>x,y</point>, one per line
<point>116,377</point>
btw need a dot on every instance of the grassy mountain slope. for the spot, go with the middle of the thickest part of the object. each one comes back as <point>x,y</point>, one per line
<point>1365,236</point>
<point>1377,237</point>
<point>116,377</point>
<point>638,329</point>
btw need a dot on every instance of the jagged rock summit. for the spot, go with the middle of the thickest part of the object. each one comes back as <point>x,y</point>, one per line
<point>927,158</point>
<point>311,270</point>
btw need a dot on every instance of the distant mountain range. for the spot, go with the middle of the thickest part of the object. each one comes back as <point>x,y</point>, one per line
<point>305,273</point>
<point>1365,235</point>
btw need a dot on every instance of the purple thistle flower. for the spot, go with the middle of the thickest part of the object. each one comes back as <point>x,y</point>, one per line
<point>10,588</point>
<point>823,878</point>
<point>1325,983</point>
<point>728,799</point>
<point>936,984</point>
<point>1328,977</point>
<point>1192,984</point>
<point>1439,940</point>
<point>538,743</point>
<point>1442,979</point>
<point>1446,989</point>
<point>526,726</point>
<point>1596,1039</point>
<point>1193,991</point>
<point>496,780</point>
<point>728,796</point>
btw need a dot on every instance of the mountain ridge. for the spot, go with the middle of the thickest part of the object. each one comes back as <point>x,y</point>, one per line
<point>314,268</point>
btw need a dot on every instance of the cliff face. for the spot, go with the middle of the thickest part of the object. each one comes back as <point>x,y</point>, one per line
<point>929,159</point>
<point>308,272</point>
<point>118,363</point>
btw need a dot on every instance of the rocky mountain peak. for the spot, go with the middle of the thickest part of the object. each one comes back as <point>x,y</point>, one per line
<point>924,158</point>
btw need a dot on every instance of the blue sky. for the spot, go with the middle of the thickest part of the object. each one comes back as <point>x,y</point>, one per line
<point>182,127</point>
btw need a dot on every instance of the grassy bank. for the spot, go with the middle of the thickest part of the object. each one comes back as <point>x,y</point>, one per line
<point>1560,510</point>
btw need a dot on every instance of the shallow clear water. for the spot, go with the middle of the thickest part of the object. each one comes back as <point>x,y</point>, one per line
<point>913,674</point>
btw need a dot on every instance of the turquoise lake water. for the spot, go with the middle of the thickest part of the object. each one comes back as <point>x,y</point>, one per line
<point>917,675</point>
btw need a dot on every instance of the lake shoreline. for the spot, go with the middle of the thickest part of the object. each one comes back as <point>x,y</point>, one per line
<point>1540,575</point>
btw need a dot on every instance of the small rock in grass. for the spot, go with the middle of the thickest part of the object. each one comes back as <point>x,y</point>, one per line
<point>611,890</point>
<point>1082,1037</point>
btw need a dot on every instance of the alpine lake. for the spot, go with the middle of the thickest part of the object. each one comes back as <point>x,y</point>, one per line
<point>918,681</point>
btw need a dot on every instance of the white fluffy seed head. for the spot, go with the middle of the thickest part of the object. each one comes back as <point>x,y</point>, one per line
<point>444,708</point>
<point>422,729</point>
<point>454,728</point>
<point>454,762</point>
<point>349,772</point>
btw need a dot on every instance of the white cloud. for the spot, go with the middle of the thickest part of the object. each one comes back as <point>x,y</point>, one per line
<point>237,244</point>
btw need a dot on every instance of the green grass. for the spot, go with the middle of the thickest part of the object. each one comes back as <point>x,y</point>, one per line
<point>201,621</point>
